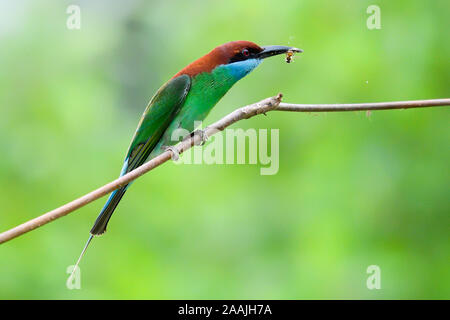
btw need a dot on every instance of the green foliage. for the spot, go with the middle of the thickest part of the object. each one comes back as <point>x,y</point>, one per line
<point>351,191</point>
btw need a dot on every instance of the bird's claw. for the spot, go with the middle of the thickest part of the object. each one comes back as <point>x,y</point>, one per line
<point>203,137</point>
<point>175,152</point>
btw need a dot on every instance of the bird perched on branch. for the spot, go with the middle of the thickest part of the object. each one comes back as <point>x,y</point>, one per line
<point>186,98</point>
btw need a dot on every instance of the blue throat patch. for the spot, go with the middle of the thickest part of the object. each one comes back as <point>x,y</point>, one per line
<point>241,68</point>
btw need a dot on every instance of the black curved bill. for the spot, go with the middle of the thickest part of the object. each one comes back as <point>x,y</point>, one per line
<point>270,51</point>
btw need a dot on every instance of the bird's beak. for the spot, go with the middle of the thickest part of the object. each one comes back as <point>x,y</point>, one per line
<point>270,51</point>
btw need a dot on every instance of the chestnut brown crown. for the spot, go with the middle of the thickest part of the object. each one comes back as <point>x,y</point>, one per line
<point>226,53</point>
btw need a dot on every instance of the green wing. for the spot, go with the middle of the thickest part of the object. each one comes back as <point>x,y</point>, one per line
<point>160,111</point>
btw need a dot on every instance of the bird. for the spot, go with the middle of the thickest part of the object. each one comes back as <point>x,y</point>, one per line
<point>182,102</point>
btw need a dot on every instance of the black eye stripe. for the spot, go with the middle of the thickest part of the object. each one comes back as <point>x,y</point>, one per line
<point>244,54</point>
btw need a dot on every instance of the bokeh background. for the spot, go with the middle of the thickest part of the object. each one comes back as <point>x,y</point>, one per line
<point>352,190</point>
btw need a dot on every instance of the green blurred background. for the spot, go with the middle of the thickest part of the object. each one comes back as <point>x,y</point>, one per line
<point>351,191</point>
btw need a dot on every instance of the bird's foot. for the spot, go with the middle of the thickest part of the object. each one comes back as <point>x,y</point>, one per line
<point>203,136</point>
<point>175,152</point>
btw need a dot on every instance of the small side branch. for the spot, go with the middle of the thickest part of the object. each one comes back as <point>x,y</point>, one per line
<point>264,106</point>
<point>363,106</point>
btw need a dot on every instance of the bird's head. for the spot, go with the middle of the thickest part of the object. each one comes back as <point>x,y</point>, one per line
<point>239,57</point>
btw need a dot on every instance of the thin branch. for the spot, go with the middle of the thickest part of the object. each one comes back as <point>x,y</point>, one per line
<point>363,106</point>
<point>264,106</point>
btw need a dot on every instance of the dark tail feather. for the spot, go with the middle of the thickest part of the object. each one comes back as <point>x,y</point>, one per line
<point>107,211</point>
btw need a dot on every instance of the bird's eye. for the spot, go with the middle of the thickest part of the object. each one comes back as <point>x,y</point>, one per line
<point>245,53</point>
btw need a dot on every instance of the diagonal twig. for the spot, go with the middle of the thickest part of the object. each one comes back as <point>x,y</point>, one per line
<point>264,106</point>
